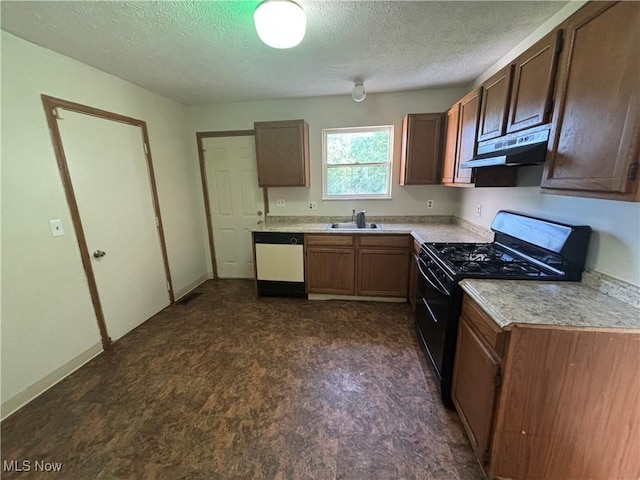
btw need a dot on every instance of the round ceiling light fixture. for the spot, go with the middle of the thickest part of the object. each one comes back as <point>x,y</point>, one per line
<point>358,93</point>
<point>280,23</point>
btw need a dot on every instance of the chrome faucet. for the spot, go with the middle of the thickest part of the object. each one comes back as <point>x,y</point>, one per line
<point>360,219</point>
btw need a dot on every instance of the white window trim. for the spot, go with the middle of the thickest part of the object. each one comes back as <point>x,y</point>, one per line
<point>360,196</point>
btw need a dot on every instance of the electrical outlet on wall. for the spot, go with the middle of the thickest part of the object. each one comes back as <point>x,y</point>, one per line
<point>313,205</point>
<point>280,203</point>
<point>479,210</point>
<point>429,203</point>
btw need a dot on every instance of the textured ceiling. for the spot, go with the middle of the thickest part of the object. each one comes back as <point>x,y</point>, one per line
<point>208,51</point>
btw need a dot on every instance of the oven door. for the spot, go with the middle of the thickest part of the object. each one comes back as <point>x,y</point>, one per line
<point>433,311</point>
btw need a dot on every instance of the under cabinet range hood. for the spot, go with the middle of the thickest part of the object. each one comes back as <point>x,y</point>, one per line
<point>518,150</point>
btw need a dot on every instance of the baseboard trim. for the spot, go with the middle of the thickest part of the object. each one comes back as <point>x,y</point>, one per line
<point>355,298</point>
<point>191,286</point>
<point>19,400</point>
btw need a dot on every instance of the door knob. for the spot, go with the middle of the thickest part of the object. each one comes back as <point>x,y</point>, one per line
<point>99,253</point>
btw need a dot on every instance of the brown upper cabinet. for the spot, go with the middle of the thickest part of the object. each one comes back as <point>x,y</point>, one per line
<point>282,153</point>
<point>495,105</point>
<point>595,133</point>
<point>467,135</point>
<point>451,144</point>
<point>533,82</point>
<point>461,145</point>
<point>421,149</point>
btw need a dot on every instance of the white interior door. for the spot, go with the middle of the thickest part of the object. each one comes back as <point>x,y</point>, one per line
<point>110,178</point>
<point>235,200</point>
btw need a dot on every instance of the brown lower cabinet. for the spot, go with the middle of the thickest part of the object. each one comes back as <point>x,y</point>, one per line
<point>383,272</point>
<point>367,265</point>
<point>330,270</point>
<point>413,273</point>
<point>548,402</point>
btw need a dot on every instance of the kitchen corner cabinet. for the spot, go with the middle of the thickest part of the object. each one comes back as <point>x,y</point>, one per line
<point>450,144</point>
<point>595,133</point>
<point>461,144</point>
<point>467,135</point>
<point>421,149</point>
<point>460,140</point>
<point>282,153</point>
<point>375,265</point>
<point>531,398</point>
<point>494,110</point>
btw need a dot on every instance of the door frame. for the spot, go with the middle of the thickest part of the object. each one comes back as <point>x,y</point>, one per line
<point>50,104</point>
<point>200,136</point>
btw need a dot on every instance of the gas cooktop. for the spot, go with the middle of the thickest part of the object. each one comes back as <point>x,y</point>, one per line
<point>487,260</point>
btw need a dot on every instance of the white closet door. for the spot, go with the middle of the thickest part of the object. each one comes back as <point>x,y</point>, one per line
<point>110,178</point>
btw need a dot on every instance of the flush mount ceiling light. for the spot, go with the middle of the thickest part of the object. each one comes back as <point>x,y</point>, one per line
<point>358,93</point>
<point>280,23</point>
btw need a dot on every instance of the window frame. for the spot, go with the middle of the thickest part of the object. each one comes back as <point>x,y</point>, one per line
<point>389,163</point>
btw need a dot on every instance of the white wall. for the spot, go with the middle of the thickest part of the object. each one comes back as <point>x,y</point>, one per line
<point>614,247</point>
<point>615,243</point>
<point>340,111</point>
<point>48,320</point>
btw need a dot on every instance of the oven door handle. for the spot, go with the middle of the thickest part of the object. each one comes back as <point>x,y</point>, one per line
<point>425,275</point>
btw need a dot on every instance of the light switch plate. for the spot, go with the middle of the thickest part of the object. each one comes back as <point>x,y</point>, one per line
<point>56,228</point>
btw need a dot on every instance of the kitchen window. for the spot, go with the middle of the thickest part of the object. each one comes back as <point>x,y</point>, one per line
<point>356,162</point>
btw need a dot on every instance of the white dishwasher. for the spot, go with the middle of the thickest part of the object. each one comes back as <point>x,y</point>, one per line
<point>279,264</point>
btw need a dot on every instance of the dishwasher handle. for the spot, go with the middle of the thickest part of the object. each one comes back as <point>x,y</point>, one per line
<point>278,238</point>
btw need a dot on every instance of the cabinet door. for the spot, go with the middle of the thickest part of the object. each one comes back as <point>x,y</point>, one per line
<point>383,272</point>
<point>495,105</point>
<point>330,270</point>
<point>474,387</point>
<point>595,131</point>
<point>282,153</point>
<point>467,134</point>
<point>451,144</point>
<point>421,149</point>
<point>533,82</point>
<point>413,280</point>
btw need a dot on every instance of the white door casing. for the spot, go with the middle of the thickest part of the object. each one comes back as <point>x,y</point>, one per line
<point>235,200</point>
<point>111,182</point>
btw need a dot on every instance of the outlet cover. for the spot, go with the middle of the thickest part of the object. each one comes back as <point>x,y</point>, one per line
<point>56,228</point>
<point>429,203</point>
<point>479,210</point>
<point>280,203</point>
<point>313,205</point>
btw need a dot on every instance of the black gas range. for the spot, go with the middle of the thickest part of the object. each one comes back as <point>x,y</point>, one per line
<point>525,248</point>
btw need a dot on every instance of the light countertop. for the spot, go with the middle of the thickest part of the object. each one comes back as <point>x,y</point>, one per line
<point>509,302</point>
<point>421,231</point>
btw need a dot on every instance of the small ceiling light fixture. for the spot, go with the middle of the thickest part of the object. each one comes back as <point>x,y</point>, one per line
<point>280,23</point>
<point>358,93</point>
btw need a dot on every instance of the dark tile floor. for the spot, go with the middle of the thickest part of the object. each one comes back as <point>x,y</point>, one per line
<point>230,387</point>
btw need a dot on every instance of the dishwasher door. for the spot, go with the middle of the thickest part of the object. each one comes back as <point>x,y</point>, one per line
<point>279,264</point>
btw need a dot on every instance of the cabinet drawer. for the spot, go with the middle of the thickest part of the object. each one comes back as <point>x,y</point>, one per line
<point>381,240</point>
<point>329,240</point>
<point>487,329</point>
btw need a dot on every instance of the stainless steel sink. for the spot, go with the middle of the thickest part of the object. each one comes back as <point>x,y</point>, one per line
<point>352,226</point>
